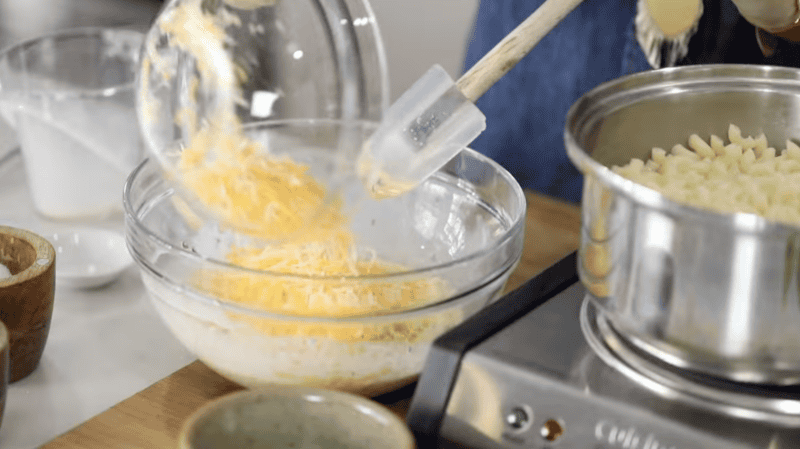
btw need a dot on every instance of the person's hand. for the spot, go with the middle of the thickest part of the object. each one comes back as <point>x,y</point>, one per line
<point>774,16</point>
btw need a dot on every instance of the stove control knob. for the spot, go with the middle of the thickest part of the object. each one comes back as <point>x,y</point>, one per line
<point>552,430</point>
<point>518,418</point>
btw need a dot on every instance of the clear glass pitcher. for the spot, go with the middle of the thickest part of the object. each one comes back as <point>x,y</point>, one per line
<point>69,96</point>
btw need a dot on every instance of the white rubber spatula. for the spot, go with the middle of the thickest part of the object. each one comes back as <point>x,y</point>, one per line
<point>436,118</point>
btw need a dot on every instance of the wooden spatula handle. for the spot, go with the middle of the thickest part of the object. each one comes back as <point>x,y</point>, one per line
<point>508,52</point>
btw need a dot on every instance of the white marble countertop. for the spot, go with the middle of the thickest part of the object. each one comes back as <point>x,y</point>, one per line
<point>104,344</point>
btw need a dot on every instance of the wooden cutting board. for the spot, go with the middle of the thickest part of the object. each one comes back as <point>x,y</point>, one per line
<point>153,417</point>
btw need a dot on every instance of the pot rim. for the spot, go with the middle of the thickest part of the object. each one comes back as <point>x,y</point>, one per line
<point>630,89</point>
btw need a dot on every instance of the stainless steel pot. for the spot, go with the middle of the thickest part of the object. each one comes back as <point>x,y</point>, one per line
<point>709,292</point>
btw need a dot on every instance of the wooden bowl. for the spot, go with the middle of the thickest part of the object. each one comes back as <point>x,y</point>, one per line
<point>26,297</point>
<point>4,359</point>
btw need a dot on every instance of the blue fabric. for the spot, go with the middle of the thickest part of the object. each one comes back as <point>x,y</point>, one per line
<point>596,42</point>
<point>526,109</point>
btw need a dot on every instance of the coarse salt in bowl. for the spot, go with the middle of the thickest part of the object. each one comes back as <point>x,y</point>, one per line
<point>447,247</point>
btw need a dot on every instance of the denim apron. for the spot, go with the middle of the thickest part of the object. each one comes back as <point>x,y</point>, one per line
<point>595,43</point>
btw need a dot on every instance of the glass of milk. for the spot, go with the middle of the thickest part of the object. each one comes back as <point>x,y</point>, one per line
<point>69,96</point>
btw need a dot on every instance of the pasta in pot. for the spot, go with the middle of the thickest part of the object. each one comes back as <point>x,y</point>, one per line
<point>743,175</point>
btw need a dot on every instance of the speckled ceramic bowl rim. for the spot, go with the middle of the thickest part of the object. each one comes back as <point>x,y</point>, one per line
<point>190,426</point>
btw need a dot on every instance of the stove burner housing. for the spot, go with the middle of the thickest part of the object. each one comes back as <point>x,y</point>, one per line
<point>542,368</point>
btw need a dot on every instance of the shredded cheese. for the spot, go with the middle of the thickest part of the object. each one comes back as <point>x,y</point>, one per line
<point>268,197</point>
<point>309,265</point>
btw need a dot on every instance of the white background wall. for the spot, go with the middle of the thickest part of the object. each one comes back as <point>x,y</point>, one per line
<point>420,33</point>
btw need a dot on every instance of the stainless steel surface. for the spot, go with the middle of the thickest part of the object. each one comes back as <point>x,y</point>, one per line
<point>538,378</point>
<point>730,399</point>
<point>716,293</point>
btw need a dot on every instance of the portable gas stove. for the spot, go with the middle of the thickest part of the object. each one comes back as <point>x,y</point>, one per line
<point>541,368</point>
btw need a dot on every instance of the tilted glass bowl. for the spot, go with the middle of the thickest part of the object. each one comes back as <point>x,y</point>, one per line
<point>297,59</point>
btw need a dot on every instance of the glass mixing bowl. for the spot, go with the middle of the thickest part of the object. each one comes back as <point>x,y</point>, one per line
<point>462,230</point>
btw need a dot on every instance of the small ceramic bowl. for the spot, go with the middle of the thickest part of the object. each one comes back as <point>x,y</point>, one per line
<point>89,257</point>
<point>294,417</point>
